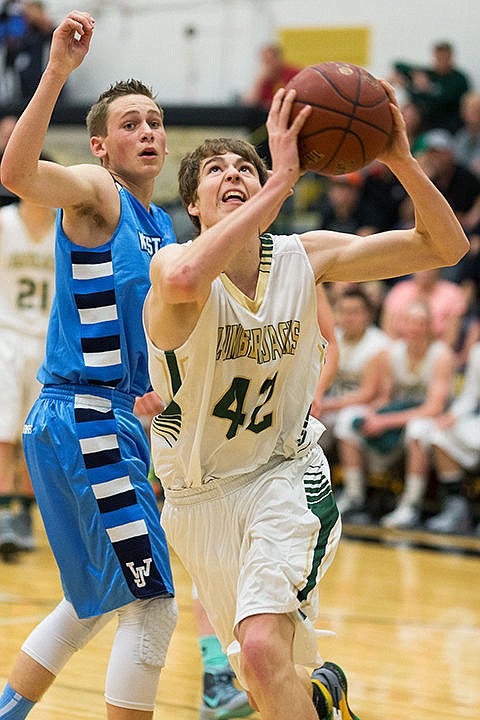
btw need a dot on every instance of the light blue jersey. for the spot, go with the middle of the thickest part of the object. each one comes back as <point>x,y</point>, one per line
<point>95,334</point>
<point>87,453</point>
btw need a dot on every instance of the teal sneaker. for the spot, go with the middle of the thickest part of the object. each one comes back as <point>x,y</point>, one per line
<point>221,699</point>
<point>332,677</point>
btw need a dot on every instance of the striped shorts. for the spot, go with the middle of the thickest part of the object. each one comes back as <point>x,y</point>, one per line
<point>88,457</point>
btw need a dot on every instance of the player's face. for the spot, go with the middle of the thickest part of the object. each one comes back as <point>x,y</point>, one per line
<point>225,183</point>
<point>135,144</point>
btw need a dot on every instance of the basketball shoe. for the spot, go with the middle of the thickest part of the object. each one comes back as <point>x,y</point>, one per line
<point>221,699</point>
<point>332,678</point>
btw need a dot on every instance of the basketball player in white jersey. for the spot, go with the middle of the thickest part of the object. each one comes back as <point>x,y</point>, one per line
<point>235,353</point>
<point>27,234</point>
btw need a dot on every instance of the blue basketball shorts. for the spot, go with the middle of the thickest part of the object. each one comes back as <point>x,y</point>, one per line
<point>88,457</point>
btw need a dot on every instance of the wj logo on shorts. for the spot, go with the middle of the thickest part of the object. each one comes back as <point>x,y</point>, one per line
<point>141,572</point>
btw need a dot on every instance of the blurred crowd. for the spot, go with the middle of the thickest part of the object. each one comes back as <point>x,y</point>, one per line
<point>406,397</point>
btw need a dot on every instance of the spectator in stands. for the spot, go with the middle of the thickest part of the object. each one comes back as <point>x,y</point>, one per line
<point>414,122</point>
<point>469,275</point>
<point>436,90</point>
<point>383,195</point>
<point>27,32</point>
<point>468,279</point>
<point>274,73</point>
<point>436,154</point>
<point>343,209</point>
<point>420,371</point>
<point>467,139</point>
<point>444,298</point>
<point>455,441</point>
<point>356,381</point>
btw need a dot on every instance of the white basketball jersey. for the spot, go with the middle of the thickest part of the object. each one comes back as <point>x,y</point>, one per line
<point>239,390</point>
<point>26,275</point>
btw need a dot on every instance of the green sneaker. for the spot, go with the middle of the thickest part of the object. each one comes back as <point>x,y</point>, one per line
<point>221,699</point>
<point>332,677</point>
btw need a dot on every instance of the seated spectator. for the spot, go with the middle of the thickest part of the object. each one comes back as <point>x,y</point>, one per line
<point>414,122</point>
<point>467,139</point>
<point>343,208</point>
<point>436,154</point>
<point>420,371</point>
<point>436,90</point>
<point>455,440</point>
<point>445,300</point>
<point>357,381</point>
<point>273,74</point>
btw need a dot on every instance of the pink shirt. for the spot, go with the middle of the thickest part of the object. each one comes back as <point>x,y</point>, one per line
<point>445,301</point>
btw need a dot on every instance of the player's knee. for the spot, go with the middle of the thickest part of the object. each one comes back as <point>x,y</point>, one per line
<point>159,623</point>
<point>259,658</point>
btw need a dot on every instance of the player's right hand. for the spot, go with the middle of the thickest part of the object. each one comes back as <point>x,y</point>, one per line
<point>283,135</point>
<point>71,41</point>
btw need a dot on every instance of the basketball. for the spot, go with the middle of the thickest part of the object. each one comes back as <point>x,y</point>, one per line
<point>350,122</point>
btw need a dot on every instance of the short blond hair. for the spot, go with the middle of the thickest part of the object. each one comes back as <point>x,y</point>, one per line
<point>97,117</point>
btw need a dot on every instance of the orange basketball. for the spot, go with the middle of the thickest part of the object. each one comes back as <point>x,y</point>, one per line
<point>350,123</point>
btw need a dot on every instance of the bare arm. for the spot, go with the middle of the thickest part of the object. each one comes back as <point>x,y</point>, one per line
<point>182,275</point>
<point>436,240</point>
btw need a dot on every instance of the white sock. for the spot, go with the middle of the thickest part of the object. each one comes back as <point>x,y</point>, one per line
<point>414,490</point>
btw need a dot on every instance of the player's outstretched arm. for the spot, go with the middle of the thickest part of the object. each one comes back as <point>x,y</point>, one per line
<point>186,276</point>
<point>22,172</point>
<point>438,231</point>
<point>436,240</point>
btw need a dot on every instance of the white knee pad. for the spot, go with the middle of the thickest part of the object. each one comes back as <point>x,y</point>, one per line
<point>139,651</point>
<point>53,642</point>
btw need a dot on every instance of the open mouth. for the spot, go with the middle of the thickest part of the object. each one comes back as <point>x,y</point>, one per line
<point>148,153</point>
<point>234,195</point>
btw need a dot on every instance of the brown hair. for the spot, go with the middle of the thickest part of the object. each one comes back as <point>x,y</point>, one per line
<point>189,171</point>
<point>98,114</point>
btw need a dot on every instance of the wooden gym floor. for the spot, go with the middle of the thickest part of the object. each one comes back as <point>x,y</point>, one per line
<point>406,616</point>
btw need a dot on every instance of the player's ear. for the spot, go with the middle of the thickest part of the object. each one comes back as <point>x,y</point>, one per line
<point>97,147</point>
<point>193,210</point>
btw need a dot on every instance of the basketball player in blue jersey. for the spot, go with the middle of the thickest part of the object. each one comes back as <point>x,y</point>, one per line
<point>235,352</point>
<point>87,453</point>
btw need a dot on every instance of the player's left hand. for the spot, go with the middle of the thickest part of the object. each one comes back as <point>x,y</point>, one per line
<point>399,146</point>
